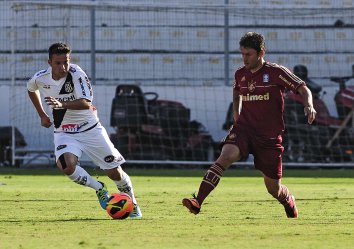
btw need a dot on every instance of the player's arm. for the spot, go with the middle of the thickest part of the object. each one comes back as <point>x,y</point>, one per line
<point>77,104</point>
<point>236,104</point>
<point>295,84</point>
<point>306,95</point>
<point>36,101</point>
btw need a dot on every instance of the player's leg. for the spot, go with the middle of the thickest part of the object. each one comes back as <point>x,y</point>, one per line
<point>125,185</point>
<point>230,153</point>
<point>67,153</point>
<point>282,194</point>
<point>234,147</point>
<point>101,150</point>
<point>268,159</point>
<point>122,180</point>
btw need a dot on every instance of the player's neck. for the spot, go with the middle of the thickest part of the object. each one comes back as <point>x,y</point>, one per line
<point>58,77</point>
<point>259,66</point>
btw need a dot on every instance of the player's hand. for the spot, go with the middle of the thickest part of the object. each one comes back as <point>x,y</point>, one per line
<point>45,121</point>
<point>310,113</point>
<point>53,102</point>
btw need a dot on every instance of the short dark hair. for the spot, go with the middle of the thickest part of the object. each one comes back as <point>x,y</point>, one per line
<point>59,48</point>
<point>253,40</point>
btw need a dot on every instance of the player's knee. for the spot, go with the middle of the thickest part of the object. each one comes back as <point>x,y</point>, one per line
<point>230,153</point>
<point>115,174</point>
<point>66,165</point>
<point>227,158</point>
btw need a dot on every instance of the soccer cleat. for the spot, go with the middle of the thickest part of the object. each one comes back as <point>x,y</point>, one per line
<point>290,207</point>
<point>102,195</point>
<point>192,204</point>
<point>136,213</point>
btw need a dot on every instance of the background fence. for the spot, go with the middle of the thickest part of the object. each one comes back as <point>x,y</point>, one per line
<point>186,54</point>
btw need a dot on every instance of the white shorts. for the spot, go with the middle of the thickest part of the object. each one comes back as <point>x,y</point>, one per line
<point>95,143</point>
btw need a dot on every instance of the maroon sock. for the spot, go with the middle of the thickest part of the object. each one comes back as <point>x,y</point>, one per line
<point>210,181</point>
<point>283,195</point>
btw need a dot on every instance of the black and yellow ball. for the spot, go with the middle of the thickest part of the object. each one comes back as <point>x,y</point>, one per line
<point>119,206</point>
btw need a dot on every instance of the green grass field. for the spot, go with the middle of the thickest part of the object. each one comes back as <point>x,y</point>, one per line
<point>43,209</point>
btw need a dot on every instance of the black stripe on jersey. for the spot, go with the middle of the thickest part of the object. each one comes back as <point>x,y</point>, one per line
<point>58,116</point>
<point>68,86</point>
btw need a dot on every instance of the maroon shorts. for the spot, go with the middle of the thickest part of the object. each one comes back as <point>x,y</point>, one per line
<point>267,152</point>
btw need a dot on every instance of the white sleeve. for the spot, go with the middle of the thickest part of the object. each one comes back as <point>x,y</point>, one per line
<point>82,85</point>
<point>32,85</point>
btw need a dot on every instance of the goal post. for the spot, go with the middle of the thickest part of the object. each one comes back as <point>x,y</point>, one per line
<point>170,62</point>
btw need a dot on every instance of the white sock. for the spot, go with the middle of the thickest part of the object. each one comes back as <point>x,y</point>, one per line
<point>125,185</point>
<point>80,176</point>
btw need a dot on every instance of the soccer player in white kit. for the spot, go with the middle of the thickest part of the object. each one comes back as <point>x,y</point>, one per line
<point>67,90</point>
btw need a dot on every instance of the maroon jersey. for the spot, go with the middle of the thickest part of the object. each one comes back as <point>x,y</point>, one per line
<point>262,96</point>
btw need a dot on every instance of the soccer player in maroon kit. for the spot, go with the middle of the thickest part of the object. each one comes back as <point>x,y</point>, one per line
<point>258,106</point>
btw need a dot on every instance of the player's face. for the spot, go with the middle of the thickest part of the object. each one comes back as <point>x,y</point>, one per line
<point>60,64</point>
<point>252,59</point>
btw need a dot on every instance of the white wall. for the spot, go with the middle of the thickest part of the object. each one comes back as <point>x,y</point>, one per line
<point>4,105</point>
<point>208,105</point>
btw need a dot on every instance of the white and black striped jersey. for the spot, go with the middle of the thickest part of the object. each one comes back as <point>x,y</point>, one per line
<point>75,86</point>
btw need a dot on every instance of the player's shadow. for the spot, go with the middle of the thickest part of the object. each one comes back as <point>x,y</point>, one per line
<point>297,199</point>
<point>55,220</point>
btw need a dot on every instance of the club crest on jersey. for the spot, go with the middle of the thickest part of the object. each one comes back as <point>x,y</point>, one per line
<point>68,86</point>
<point>251,86</point>
<point>265,78</point>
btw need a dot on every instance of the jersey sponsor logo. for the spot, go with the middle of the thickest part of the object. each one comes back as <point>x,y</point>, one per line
<point>46,86</point>
<point>255,97</point>
<point>251,86</point>
<point>70,98</point>
<point>73,127</point>
<point>61,147</point>
<point>82,87</point>
<point>70,127</point>
<point>265,78</point>
<point>286,81</point>
<point>88,85</point>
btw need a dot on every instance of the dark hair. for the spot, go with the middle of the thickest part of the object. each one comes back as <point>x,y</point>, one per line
<point>253,40</point>
<point>59,48</point>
